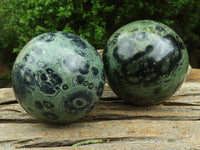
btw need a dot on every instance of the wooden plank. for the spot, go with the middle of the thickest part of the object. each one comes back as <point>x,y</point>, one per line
<point>152,132</point>
<point>113,124</point>
<point>113,111</point>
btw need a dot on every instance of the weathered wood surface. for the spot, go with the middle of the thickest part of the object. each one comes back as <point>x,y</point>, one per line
<point>113,124</point>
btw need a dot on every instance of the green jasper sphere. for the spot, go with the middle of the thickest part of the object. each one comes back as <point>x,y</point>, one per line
<point>58,77</point>
<point>145,62</point>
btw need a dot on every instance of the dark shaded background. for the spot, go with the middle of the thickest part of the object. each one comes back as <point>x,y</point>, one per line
<point>94,20</point>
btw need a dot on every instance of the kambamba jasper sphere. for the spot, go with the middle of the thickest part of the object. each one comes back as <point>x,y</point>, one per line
<point>145,62</point>
<point>58,77</point>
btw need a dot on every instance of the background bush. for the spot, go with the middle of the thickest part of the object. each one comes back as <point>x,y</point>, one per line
<point>94,20</point>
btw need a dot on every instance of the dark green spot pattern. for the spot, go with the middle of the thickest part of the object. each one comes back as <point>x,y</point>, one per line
<point>57,76</point>
<point>145,62</point>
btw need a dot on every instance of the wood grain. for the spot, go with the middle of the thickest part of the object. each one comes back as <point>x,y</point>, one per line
<point>136,131</point>
<point>113,124</point>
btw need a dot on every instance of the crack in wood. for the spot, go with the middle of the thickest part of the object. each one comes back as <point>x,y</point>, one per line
<point>189,94</point>
<point>108,117</point>
<point>42,143</point>
<point>112,99</point>
<point>113,122</point>
<point>196,109</point>
<point>18,121</point>
<point>179,104</point>
<point>9,102</point>
<point>27,140</point>
<point>12,110</point>
<point>176,95</point>
<point>7,141</point>
<point>110,102</point>
<point>108,97</point>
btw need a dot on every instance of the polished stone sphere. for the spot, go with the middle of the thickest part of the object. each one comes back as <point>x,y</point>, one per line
<point>58,77</point>
<point>145,62</point>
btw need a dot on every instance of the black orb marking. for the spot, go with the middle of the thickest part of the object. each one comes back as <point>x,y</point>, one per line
<point>78,42</point>
<point>43,77</point>
<point>175,55</point>
<point>48,81</point>
<point>56,79</point>
<point>114,40</point>
<point>78,101</point>
<point>29,58</point>
<point>94,71</point>
<point>48,37</point>
<point>174,42</point>
<point>47,88</point>
<point>65,87</point>
<point>138,55</point>
<point>85,69</point>
<point>85,83</point>
<point>49,71</point>
<point>29,77</point>
<point>81,53</point>
<point>116,55</point>
<point>48,105</point>
<point>41,64</point>
<point>149,49</point>
<point>68,35</point>
<point>91,85</point>
<point>57,88</point>
<point>159,28</point>
<point>80,79</point>
<point>75,40</point>
<point>38,105</point>
<point>50,116</point>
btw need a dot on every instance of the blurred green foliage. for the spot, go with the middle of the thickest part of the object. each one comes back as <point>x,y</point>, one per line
<point>94,20</point>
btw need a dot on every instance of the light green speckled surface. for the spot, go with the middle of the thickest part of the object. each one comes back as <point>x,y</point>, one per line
<point>58,77</point>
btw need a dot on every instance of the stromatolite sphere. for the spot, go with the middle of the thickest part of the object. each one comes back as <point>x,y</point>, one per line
<point>58,77</point>
<point>145,62</point>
